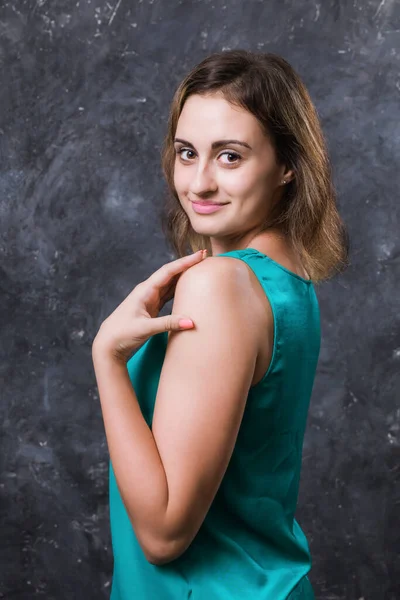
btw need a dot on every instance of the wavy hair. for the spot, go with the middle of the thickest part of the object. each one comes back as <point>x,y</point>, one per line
<point>268,87</point>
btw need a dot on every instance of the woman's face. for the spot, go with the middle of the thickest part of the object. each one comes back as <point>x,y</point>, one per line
<point>241,174</point>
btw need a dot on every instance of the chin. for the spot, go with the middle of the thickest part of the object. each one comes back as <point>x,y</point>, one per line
<point>207,232</point>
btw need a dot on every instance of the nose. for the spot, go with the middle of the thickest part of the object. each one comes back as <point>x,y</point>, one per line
<point>203,181</point>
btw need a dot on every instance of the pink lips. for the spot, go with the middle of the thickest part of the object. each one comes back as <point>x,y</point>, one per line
<point>206,209</point>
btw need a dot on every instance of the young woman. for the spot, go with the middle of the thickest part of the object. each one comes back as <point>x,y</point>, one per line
<point>205,417</point>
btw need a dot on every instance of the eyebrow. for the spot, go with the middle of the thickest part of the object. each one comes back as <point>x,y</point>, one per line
<point>217,144</point>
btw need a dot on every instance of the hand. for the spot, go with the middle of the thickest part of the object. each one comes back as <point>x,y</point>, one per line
<point>134,320</point>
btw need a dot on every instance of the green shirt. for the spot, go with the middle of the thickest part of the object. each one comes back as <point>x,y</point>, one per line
<point>250,544</point>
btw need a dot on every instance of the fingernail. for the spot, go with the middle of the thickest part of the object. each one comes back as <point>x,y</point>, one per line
<point>185,323</point>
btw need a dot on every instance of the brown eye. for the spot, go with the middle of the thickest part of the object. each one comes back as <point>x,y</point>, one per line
<point>235,156</point>
<point>181,150</point>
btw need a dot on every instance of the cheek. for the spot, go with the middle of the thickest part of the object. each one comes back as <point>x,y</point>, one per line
<point>237,183</point>
<point>253,182</point>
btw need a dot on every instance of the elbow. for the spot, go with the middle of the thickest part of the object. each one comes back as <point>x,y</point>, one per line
<point>157,560</point>
<point>160,549</point>
<point>160,553</point>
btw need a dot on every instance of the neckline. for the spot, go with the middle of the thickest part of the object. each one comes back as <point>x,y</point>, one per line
<point>308,281</point>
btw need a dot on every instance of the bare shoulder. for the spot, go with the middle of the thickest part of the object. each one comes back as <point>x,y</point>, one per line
<point>217,270</point>
<point>223,287</point>
<point>229,281</point>
<point>233,275</point>
<point>216,288</point>
<point>214,263</point>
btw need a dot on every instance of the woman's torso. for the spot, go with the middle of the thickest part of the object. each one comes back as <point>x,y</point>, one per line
<point>250,544</point>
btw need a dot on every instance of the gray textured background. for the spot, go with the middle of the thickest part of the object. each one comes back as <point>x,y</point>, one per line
<point>84,95</point>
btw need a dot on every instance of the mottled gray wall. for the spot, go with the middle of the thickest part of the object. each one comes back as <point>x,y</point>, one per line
<point>85,91</point>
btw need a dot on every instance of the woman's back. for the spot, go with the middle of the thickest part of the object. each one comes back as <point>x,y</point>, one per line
<point>249,545</point>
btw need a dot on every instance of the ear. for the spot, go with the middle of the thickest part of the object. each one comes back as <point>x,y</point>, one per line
<point>287,175</point>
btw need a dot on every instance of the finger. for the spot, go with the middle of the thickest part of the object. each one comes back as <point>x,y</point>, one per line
<point>168,323</point>
<point>163,275</point>
<point>183,260</point>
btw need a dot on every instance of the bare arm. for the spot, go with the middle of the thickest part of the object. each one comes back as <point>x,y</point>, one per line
<point>168,476</point>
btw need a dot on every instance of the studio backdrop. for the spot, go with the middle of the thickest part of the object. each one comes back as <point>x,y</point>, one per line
<point>84,98</point>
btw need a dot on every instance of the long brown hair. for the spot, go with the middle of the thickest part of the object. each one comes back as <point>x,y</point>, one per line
<point>268,87</point>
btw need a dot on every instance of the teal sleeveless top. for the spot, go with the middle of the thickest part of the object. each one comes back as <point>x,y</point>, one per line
<point>250,545</point>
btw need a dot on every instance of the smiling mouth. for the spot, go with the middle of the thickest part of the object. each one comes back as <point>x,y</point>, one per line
<point>209,203</point>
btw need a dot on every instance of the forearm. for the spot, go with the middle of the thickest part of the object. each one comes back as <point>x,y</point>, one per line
<point>134,455</point>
